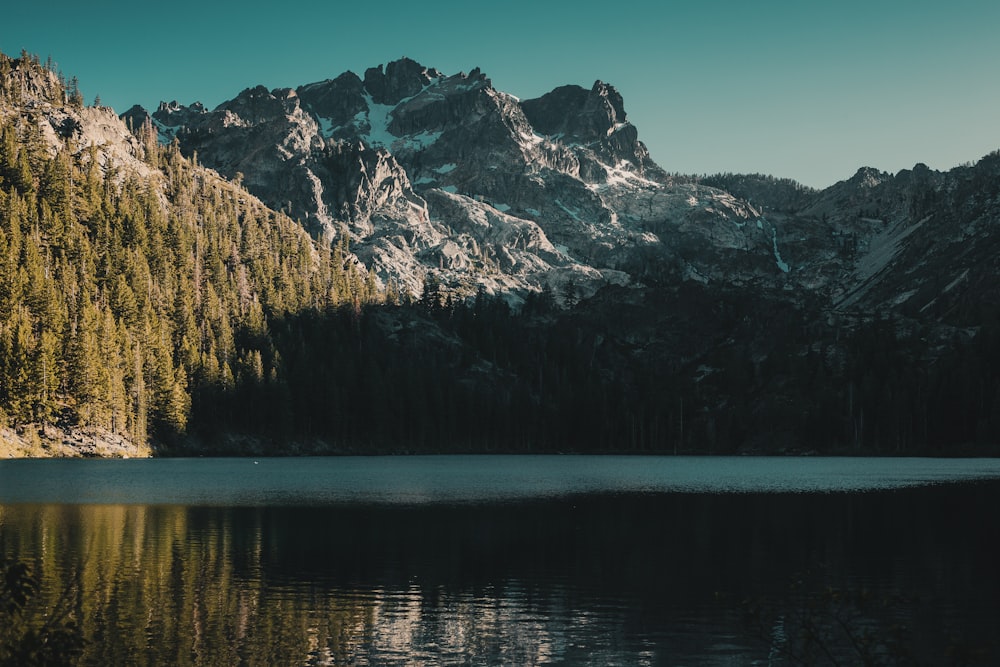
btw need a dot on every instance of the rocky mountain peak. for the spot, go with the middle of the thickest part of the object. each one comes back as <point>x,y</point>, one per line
<point>175,107</point>
<point>25,80</point>
<point>401,79</point>
<point>167,117</point>
<point>446,176</point>
<point>574,112</point>
<point>136,117</point>
<point>476,75</point>
<point>593,119</point>
<point>259,105</point>
<point>339,100</point>
<point>869,177</point>
<point>556,112</point>
<point>607,98</point>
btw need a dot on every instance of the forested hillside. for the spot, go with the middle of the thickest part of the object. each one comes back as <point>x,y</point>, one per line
<point>127,294</point>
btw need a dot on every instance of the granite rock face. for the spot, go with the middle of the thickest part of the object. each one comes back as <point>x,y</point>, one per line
<point>446,176</point>
<point>596,119</point>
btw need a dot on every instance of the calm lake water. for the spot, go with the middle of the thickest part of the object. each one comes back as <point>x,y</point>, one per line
<point>486,560</point>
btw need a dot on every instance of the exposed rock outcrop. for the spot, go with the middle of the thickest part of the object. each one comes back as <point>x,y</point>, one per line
<point>444,174</point>
<point>440,174</point>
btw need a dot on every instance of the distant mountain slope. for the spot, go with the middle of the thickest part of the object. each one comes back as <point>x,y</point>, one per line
<point>920,243</point>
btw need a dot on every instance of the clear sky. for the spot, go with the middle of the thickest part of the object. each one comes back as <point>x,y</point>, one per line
<point>804,90</point>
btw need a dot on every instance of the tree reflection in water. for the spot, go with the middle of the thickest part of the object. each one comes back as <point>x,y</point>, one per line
<point>628,579</point>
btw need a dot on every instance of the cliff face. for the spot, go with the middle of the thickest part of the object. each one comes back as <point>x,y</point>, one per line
<point>34,100</point>
<point>445,176</point>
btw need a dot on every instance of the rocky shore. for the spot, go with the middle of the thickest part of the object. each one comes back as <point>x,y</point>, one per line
<point>37,441</point>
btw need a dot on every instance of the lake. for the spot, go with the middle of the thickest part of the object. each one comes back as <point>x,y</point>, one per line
<point>514,560</point>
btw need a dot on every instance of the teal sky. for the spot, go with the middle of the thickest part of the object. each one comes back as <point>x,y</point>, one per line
<point>809,91</point>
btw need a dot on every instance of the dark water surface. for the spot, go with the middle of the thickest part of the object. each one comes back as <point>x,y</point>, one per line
<point>514,560</point>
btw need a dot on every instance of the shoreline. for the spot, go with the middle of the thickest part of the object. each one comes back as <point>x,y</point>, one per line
<point>49,441</point>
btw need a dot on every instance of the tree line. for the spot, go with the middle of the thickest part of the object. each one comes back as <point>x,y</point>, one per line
<point>437,376</point>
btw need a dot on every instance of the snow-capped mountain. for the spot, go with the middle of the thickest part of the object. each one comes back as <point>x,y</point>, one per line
<point>444,175</point>
<point>447,175</point>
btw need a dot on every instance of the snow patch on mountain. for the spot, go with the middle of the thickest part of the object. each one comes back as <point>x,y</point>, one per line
<point>326,127</point>
<point>573,213</point>
<point>782,265</point>
<point>962,276</point>
<point>378,119</point>
<point>622,174</point>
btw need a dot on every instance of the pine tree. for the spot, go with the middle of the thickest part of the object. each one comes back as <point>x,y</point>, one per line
<point>45,376</point>
<point>16,351</point>
<point>56,189</point>
<point>83,363</point>
<point>75,97</point>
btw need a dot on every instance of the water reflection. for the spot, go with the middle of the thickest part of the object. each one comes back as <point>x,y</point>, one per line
<point>592,579</point>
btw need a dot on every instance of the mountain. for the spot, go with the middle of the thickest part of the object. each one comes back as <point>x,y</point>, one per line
<point>741,289</point>
<point>446,176</point>
<point>408,261</point>
<point>920,244</point>
<point>134,284</point>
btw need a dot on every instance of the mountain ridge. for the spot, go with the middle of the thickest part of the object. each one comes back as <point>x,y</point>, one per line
<point>432,175</point>
<point>452,135</point>
<point>478,269</point>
